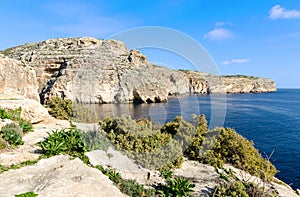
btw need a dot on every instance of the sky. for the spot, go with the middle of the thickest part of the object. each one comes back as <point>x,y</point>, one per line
<point>250,37</point>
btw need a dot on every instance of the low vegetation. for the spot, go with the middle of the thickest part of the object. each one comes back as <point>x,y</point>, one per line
<point>241,188</point>
<point>27,194</point>
<point>129,187</point>
<point>65,109</point>
<point>60,108</point>
<point>163,147</point>
<point>143,141</point>
<point>11,134</point>
<point>72,142</point>
<point>178,186</point>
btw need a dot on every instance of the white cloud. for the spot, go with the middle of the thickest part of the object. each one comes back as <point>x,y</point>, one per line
<point>226,62</point>
<point>235,61</point>
<point>218,24</point>
<point>219,33</point>
<point>278,12</point>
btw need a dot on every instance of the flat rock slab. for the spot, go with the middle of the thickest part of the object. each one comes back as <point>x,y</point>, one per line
<point>124,165</point>
<point>203,176</point>
<point>58,176</point>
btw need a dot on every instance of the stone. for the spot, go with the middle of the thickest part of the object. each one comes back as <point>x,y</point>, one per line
<point>57,176</point>
<point>32,110</point>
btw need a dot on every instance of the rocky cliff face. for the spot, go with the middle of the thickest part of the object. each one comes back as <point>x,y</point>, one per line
<point>104,71</point>
<point>17,80</point>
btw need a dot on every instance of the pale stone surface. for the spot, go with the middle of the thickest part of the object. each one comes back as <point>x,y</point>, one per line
<point>32,110</point>
<point>204,176</point>
<point>57,176</point>
<point>17,80</point>
<point>104,71</point>
<point>125,166</point>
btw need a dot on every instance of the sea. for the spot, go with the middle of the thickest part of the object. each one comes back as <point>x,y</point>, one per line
<point>270,120</point>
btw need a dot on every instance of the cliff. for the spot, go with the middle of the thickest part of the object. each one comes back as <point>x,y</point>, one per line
<point>89,70</point>
<point>17,80</point>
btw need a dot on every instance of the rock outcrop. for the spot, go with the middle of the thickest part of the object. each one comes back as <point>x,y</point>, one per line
<point>57,176</point>
<point>89,70</point>
<point>17,80</point>
<point>32,110</point>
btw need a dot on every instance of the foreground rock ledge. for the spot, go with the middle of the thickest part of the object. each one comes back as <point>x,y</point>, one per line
<point>57,176</point>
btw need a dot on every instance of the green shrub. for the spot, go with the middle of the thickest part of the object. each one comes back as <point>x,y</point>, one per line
<point>12,114</point>
<point>178,187</point>
<point>66,141</point>
<point>129,187</point>
<point>27,194</point>
<point>143,141</point>
<point>60,108</point>
<point>12,133</point>
<point>94,140</point>
<point>232,148</point>
<point>240,189</point>
<point>72,142</point>
<point>3,143</point>
<point>15,115</point>
<point>26,126</point>
<point>224,145</point>
<point>166,173</point>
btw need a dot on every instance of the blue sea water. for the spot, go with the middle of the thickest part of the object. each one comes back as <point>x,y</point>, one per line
<point>270,120</point>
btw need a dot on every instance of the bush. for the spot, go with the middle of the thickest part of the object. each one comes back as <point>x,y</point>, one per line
<point>3,143</point>
<point>72,142</point>
<point>60,108</point>
<point>228,147</point>
<point>26,126</point>
<point>143,141</point>
<point>129,187</point>
<point>178,187</point>
<point>63,141</point>
<point>27,194</point>
<point>240,189</point>
<point>12,133</point>
<point>15,115</point>
<point>12,114</point>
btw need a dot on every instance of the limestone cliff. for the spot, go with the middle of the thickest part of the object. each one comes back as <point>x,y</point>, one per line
<point>104,71</point>
<point>17,80</point>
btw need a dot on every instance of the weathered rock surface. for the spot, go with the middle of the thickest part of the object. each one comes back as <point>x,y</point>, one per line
<point>57,176</point>
<point>17,80</point>
<point>32,110</point>
<point>104,71</point>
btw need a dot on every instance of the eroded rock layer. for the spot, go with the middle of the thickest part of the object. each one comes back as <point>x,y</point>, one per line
<point>89,70</point>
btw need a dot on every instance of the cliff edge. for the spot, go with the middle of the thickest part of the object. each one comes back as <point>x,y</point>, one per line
<point>89,70</point>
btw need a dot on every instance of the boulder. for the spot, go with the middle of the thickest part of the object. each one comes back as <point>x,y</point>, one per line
<point>32,110</point>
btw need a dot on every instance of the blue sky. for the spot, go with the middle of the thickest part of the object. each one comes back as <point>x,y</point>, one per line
<point>251,37</point>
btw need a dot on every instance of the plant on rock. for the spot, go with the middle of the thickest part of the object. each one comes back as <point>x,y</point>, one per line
<point>178,187</point>
<point>12,133</point>
<point>27,194</point>
<point>60,108</point>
